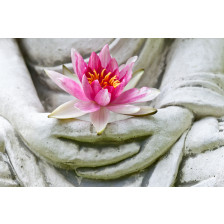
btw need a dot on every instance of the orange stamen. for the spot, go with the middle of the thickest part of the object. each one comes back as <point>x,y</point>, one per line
<point>102,73</point>
<point>104,80</point>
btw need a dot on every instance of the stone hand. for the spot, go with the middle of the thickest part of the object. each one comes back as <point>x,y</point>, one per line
<point>164,128</point>
<point>74,143</point>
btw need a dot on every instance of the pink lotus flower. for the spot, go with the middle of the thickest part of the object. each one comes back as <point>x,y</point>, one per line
<point>101,87</point>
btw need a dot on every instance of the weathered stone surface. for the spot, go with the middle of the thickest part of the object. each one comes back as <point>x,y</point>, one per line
<point>6,177</point>
<point>29,170</point>
<point>2,142</point>
<point>205,134</point>
<point>134,180</point>
<point>4,170</point>
<point>51,52</point>
<point>202,167</point>
<point>8,183</point>
<point>211,182</point>
<point>166,169</point>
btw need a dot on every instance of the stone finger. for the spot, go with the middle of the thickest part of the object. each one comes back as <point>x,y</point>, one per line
<point>117,131</point>
<point>166,169</point>
<point>87,156</point>
<point>153,148</point>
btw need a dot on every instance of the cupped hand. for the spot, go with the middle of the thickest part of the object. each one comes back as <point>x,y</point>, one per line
<point>74,143</point>
<point>164,129</point>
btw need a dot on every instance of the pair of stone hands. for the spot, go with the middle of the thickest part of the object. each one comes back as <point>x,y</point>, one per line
<point>74,144</point>
<point>195,84</point>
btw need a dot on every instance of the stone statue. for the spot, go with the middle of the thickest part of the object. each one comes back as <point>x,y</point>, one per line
<point>170,148</point>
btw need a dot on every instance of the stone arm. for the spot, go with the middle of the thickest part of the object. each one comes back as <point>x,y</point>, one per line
<point>18,96</point>
<point>18,166</point>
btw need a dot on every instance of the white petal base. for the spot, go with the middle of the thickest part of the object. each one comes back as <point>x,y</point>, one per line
<point>145,110</point>
<point>66,111</point>
<point>100,119</point>
<point>124,109</point>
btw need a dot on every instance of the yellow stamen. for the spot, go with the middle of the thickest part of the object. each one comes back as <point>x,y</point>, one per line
<point>112,80</point>
<point>102,72</point>
<point>104,80</point>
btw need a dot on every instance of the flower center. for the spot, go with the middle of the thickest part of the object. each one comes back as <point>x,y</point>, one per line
<point>104,80</point>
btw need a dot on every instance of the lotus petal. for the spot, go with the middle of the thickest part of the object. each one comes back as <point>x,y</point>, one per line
<point>94,62</point>
<point>96,87</point>
<point>87,88</point>
<point>145,110</point>
<point>66,111</point>
<point>151,93</point>
<point>100,119</point>
<point>78,63</point>
<point>118,90</point>
<point>126,72</point>
<point>67,84</point>
<point>112,65</point>
<point>105,56</point>
<point>137,95</point>
<point>103,97</point>
<point>124,109</point>
<point>121,67</point>
<point>87,107</point>
<point>131,60</point>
